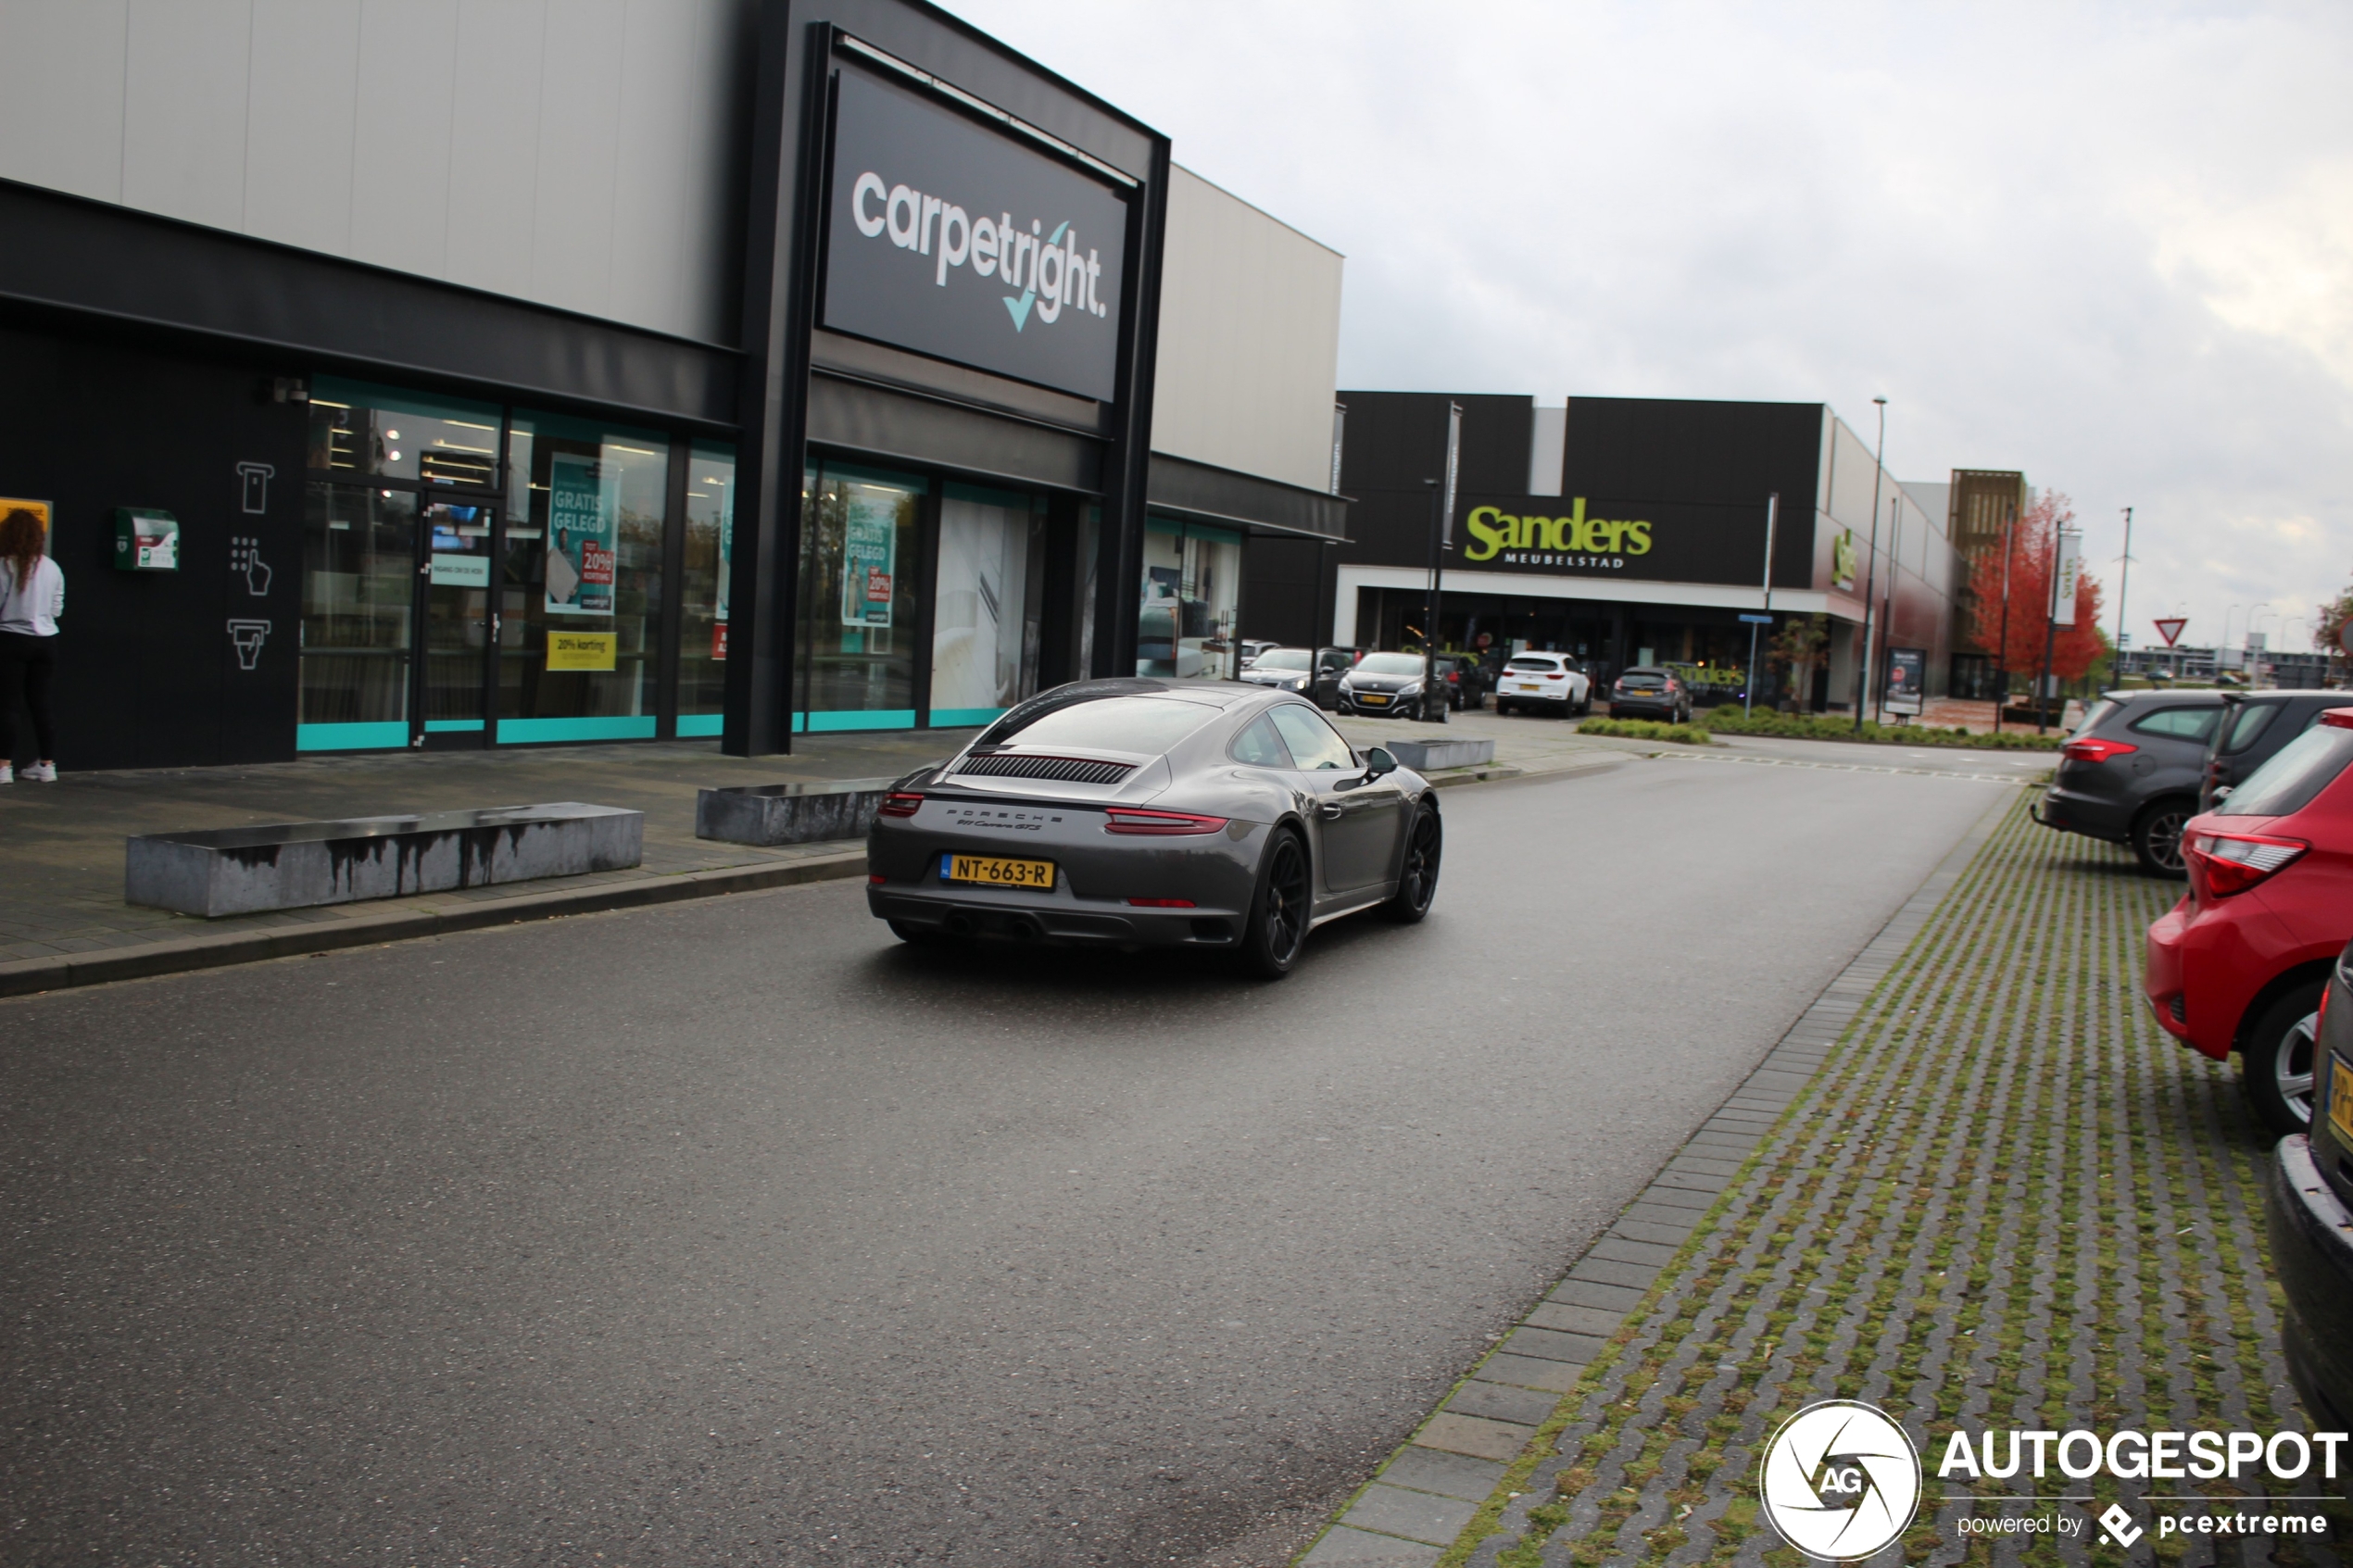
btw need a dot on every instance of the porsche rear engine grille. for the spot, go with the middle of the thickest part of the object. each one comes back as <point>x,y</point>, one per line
<point>1075,769</point>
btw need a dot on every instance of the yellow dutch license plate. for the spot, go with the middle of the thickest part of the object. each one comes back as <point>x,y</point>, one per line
<point>1374,697</point>
<point>2341,1099</point>
<point>995,871</point>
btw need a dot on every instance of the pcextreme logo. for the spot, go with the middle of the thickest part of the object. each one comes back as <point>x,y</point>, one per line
<point>1493,530</point>
<point>1841,1480</point>
<point>1050,269</point>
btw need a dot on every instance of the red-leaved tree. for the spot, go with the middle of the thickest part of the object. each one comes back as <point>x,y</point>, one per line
<point>2029,592</point>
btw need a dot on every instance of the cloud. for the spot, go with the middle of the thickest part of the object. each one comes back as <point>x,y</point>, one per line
<point>2112,245</point>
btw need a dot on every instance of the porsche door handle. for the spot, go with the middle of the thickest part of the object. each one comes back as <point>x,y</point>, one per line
<point>1331,811</point>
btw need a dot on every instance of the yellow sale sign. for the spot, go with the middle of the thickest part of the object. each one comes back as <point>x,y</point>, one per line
<point>580,651</point>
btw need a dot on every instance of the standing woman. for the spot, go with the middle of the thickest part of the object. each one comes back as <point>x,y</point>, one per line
<point>33,595</point>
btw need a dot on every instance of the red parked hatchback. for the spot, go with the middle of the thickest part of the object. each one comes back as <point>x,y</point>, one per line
<point>2239,964</point>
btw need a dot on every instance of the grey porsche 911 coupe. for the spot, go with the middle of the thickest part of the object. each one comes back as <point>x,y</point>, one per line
<point>1150,814</point>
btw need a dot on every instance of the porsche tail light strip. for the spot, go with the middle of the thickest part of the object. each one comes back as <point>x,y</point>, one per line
<point>1134,820</point>
<point>899,803</point>
<point>2233,862</point>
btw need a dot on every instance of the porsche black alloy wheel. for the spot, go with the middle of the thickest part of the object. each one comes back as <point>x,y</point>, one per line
<point>1417,885</point>
<point>1280,910</point>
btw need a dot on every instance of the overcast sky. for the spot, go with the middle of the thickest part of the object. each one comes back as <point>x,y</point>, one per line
<point>2112,245</point>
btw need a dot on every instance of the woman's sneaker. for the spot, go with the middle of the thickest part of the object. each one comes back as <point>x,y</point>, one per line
<point>42,773</point>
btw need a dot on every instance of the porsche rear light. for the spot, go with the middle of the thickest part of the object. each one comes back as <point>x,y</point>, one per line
<point>1164,903</point>
<point>1129,819</point>
<point>2094,750</point>
<point>2233,862</point>
<point>899,803</point>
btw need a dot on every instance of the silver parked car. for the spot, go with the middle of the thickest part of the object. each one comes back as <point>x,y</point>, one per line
<point>1151,813</point>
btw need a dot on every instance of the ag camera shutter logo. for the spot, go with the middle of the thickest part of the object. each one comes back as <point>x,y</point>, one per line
<point>1841,1480</point>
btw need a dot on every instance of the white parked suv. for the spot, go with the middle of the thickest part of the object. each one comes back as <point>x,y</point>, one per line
<point>1548,682</point>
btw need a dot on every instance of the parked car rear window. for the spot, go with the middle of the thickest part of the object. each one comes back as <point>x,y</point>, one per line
<point>2179,723</point>
<point>1392,663</point>
<point>2289,782</point>
<point>1638,680</point>
<point>1146,725</point>
<point>1282,659</point>
<point>1533,664</point>
<point>2253,720</point>
<point>2093,720</point>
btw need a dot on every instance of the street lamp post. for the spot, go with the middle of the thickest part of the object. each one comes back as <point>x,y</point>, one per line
<point>1870,575</point>
<point>2123,578</point>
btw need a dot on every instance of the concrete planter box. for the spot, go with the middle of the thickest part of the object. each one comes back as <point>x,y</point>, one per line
<point>1423,754</point>
<point>296,865</point>
<point>789,813</point>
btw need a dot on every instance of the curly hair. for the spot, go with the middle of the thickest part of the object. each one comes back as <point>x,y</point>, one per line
<point>22,538</point>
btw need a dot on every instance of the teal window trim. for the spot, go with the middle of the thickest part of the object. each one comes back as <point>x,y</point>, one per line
<point>854,719</point>
<point>1215,536</point>
<point>692,726</point>
<point>981,495</point>
<point>393,400</point>
<point>1154,523</point>
<point>351,738</point>
<point>453,726</point>
<point>965,718</point>
<point>894,479</point>
<point>540,731</point>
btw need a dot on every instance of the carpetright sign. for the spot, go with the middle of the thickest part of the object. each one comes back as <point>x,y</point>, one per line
<point>955,240</point>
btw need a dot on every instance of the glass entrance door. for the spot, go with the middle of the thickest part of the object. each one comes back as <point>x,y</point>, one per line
<point>461,626</point>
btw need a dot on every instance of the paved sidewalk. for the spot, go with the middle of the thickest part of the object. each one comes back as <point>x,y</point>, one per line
<point>61,845</point>
<point>1975,1184</point>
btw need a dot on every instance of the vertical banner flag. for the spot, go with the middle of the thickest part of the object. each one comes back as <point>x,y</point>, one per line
<point>2064,580</point>
<point>1453,468</point>
<point>583,531</point>
<point>869,549</point>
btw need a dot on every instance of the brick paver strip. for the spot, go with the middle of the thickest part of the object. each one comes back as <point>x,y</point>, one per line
<point>1988,1191</point>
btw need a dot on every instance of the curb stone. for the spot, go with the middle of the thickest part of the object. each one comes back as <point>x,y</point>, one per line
<point>26,976</point>
<point>1571,1326</point>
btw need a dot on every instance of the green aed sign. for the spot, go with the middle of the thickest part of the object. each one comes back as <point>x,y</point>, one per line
<point>1593,536</point>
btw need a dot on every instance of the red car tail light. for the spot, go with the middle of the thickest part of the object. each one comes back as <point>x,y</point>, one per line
<point>2233,862</point>
<point>899,803</point>
<point>1129,819</point>
<point>1164,903</point>
<point>2338,718</point>
<point>872,877</point>
<point>2096,750</point>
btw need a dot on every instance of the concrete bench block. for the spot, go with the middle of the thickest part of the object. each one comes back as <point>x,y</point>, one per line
<point>296,865</point>
<point>1423,754</point>
<point>789,813</point>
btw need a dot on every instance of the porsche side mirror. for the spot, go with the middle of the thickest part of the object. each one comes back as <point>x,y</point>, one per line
<point>1378,762</point>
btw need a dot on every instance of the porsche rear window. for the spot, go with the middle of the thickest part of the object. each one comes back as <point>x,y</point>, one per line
<point>1146,725</point>
<point>2290,782</point>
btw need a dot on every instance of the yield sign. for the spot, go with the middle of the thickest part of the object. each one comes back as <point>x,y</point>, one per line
<point>2170,628</point>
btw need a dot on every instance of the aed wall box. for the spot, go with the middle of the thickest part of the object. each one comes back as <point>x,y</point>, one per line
<point>146,540</point>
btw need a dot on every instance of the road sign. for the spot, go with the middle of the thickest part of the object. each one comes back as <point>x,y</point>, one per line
<point>2169,628</point>
<point>1758,619</point>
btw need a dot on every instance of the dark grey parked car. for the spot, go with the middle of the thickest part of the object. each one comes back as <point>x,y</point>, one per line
<point>1150,814</point>
<point>2129,772</point>
<point>2259,724</point>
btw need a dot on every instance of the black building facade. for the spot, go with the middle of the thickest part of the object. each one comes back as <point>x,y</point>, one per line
<point>902,483</point>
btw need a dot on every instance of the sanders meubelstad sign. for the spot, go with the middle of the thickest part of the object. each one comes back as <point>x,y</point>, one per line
<point>1553,536</point>
<point>955,240</point>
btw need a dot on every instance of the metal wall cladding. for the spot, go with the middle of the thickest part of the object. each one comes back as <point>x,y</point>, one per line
<point>900,270</point>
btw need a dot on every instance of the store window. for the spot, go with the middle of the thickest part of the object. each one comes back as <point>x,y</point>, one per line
<point>359,596</point>
<point>858,612</point>
<point>988,594</point>
<point>580,583</point>
<point>1191,600</point>
<point>702,600</point>
<point>361,430</point>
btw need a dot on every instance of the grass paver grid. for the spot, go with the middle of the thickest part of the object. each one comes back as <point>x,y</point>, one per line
<point>2006,1199</point>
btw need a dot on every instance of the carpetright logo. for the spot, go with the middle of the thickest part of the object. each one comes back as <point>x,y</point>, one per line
<point>972,241</point>
<point>1050,269</point>
<point>1841,1480</point>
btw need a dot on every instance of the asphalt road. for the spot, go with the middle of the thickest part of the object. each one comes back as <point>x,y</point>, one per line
<point>734,1233</point>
